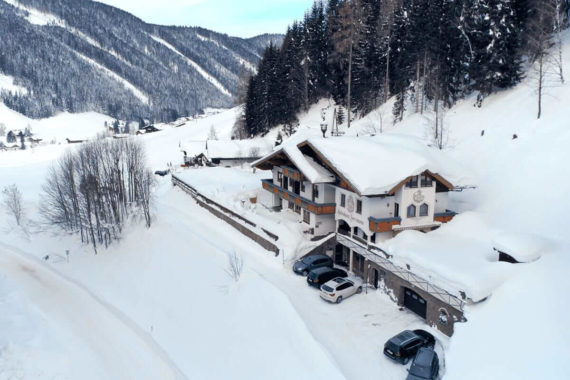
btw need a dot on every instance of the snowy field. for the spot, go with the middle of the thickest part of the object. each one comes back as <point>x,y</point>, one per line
<point>159,304</point>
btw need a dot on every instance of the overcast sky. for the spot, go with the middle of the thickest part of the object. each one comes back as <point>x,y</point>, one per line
<point>243,18</point>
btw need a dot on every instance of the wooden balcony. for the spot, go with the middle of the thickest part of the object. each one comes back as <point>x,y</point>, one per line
<point>384,224</point>
<point>304,203</point>
<point>444,217</point>
<point>292,173</point>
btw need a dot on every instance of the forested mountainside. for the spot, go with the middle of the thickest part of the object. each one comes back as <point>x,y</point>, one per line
<point>426,53</point>
<point>80,55</point>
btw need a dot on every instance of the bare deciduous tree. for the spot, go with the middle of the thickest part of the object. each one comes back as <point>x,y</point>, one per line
<point>94,190</point>
<point>12,201</point>
<point>235,266</point>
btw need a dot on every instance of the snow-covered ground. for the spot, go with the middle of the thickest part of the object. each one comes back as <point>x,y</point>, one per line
<point>159,304</point>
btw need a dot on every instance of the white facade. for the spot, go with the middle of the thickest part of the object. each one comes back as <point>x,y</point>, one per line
<point>419,199</point>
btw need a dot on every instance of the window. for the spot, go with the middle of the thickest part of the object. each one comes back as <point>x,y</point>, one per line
<point>342,200</point>
<point>411,211</point>
<point>286,183</point>
<point>279,176</point>
<point>425,180</point>
<point>315,191</point>
<point>306,217</point>
<point>413,182</point>
<point>302,187</point>
<point>424,210</point>
<point>359,207</point>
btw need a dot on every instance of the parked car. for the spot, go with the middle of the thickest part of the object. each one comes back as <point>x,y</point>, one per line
<point>161,173</point>
<point>340,288</point>
<point>308,263</point>
<point>404,346</point>
<point>319,276</point>
<point>425,365</point>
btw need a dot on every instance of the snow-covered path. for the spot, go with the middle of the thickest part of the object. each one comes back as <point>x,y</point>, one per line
<point>104,342</point>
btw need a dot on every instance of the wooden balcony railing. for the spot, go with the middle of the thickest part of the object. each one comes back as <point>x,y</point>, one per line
<point>384,224</point>
<point>304,203</point>
<point>444,217</point>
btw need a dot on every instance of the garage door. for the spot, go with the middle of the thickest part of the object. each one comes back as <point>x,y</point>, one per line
<point>414,302</point>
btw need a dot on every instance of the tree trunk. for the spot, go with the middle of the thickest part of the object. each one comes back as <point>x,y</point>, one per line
<point>424,83</point>
<point>417,85</point>
<point>349,82</point>
<point>387,79</point>
<point>540,79</point>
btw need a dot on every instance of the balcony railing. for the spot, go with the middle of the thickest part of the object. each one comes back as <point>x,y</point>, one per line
<point>383,224</point>
<point>444,217</point>
<point>304,203</point>
<point>380,257</point>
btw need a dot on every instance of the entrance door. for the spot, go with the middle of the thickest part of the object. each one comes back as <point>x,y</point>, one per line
<point>415,302</point>
<point>376,277</point>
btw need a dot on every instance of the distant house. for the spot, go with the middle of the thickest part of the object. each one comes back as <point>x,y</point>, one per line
<point>147,129</point>
<point>236,152</point>
<point>69,141</point>
<point>11,137</point>
<point>224,152</point>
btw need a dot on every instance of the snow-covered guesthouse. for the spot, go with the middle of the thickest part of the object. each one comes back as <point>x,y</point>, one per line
<point>367,190</point>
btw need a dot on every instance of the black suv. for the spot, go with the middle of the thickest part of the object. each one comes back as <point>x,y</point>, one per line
<point>425,365</point>
<point>404,346</point>
<point>308,263</point>
<point>319,276</point>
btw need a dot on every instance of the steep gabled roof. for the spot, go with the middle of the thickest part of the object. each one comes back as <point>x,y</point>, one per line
<point>290,154</point>
<point>380,165</point>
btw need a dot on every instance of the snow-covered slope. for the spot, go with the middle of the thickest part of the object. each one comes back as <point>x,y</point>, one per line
<point>170,280</point>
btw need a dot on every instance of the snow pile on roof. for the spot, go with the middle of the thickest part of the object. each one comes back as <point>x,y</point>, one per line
<point>375,165</point>
<point>458,257</point>
<point>524,248</point>
<point>238,148</point>
<point>314,172</point>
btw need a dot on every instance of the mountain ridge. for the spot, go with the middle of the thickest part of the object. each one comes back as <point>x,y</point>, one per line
<point>80,55</point>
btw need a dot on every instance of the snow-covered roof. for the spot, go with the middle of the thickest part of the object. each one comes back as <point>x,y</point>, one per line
<point>314,172</point>
<point>458,257</point>
<point>193,148</point>
<point>238,148</point>
<point>523,248</point>
<point>376,165</point>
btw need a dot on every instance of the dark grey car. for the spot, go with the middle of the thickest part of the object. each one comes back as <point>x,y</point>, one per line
<point>308,263</point>
<point>425,365</point>
<point>404,346</point>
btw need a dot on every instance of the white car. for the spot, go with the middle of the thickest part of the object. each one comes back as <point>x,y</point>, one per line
<point>340,288</point>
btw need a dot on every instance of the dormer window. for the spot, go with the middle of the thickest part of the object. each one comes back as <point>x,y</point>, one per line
<point>412,182</point>
<point>411,211</point>
<point>424,208</point>
<point>425,180</point>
